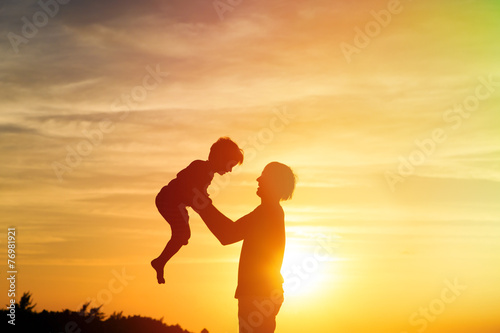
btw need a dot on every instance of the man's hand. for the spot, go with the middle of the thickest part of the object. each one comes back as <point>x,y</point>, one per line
<point>226,231</point>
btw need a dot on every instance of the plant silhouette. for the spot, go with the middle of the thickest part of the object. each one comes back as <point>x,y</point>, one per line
<point>85,320</point>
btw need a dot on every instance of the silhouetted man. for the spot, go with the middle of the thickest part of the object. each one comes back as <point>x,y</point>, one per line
<point>260,284</point>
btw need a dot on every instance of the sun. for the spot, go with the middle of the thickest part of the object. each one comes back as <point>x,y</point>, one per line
<point>306,265</point>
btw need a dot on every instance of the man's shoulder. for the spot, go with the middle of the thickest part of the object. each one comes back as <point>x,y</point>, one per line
<point>272,211</point>
<point>263,214</point>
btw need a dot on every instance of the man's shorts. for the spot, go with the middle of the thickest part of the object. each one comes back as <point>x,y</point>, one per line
<point>258,314</point>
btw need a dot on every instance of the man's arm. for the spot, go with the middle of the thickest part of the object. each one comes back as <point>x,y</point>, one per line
<point>223,228</point>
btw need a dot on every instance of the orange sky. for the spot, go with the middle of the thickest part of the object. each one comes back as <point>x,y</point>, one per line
<point>395,146</point>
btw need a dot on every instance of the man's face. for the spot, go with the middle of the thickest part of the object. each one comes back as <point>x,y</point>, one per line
<point>266,186</point>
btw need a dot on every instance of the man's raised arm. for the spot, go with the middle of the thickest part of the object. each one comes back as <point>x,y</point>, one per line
<point>226,231</point>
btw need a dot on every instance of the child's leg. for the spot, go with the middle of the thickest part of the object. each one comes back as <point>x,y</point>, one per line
<point>173,246</point>
<point>180,236</point>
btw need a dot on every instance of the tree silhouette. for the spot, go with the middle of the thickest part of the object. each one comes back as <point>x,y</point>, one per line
<point>85,320</point>
<point>26,303</point>
<point>116,315</point>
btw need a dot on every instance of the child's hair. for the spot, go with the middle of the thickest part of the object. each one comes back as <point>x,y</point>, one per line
<point>225,150</point>
<point>283,179</point>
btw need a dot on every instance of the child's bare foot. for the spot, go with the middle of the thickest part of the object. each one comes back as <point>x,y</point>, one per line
<point>158,267</point>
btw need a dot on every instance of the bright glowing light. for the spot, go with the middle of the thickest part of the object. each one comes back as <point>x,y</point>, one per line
<point>305,265</point>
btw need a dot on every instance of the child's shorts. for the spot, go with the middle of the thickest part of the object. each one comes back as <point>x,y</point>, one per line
<point>175,213</point>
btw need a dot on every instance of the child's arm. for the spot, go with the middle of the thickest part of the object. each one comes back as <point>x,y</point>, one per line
<point>226,231</point>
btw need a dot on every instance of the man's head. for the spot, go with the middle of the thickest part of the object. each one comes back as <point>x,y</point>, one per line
<point>225,155</point>
<point>276,182</point>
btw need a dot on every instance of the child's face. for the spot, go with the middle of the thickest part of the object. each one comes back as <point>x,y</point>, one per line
<point>226,167</point>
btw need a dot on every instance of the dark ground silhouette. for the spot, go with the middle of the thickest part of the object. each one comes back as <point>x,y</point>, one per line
<point>90,320</point>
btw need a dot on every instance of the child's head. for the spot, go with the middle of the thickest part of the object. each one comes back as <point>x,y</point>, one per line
<point>224,155</point>
<point>277,181</point>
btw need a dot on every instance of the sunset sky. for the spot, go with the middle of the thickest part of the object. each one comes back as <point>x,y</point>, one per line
<point>388,112</point>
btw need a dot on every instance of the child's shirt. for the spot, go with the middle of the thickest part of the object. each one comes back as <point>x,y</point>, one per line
<point>191,184</point>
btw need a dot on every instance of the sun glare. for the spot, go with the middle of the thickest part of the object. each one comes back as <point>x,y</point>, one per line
<point>306,264</point>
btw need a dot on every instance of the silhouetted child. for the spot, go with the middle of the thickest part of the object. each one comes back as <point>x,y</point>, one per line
<point>189,189</point>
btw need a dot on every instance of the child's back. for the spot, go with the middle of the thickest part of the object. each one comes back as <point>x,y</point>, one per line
<point>189,182</point>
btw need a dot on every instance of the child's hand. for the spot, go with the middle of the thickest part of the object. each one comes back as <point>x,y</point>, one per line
<point>199,207</point>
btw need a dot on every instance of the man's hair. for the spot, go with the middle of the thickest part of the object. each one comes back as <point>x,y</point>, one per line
<point>225,150</point>
<point>283,178</point>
